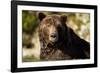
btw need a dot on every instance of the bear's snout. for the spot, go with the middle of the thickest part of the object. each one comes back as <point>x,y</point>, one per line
<point>53,35</point>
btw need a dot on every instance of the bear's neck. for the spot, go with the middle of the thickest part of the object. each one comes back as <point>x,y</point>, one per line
<point>46,52</point>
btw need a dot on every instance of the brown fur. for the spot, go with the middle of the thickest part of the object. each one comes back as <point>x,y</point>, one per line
<point>68,45</point>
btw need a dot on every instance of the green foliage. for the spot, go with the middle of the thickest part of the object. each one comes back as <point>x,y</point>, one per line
<point>29,21</point>
<point>29,59</point>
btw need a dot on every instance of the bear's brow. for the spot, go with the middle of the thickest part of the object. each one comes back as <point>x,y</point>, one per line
<point>51,20</point>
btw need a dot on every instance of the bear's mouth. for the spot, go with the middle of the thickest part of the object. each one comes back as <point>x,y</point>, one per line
<point>52,42</point>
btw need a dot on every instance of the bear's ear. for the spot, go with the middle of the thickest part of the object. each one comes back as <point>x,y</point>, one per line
<point>63,19</point>
<point>41,16</point>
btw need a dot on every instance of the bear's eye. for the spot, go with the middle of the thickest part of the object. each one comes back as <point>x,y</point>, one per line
<point>59,25</point>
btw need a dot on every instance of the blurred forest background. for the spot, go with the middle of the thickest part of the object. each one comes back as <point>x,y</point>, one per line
<point>79,22</point>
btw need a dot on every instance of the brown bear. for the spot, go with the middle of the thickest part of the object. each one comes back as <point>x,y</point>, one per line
<point>58,41</point>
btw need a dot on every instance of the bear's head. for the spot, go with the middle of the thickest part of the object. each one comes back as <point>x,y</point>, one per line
<point>51,28</point>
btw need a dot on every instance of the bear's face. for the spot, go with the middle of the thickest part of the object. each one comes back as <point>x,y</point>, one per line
<point>51,27</point>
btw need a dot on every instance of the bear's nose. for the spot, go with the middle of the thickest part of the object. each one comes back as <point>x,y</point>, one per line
<point>53,35</point>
